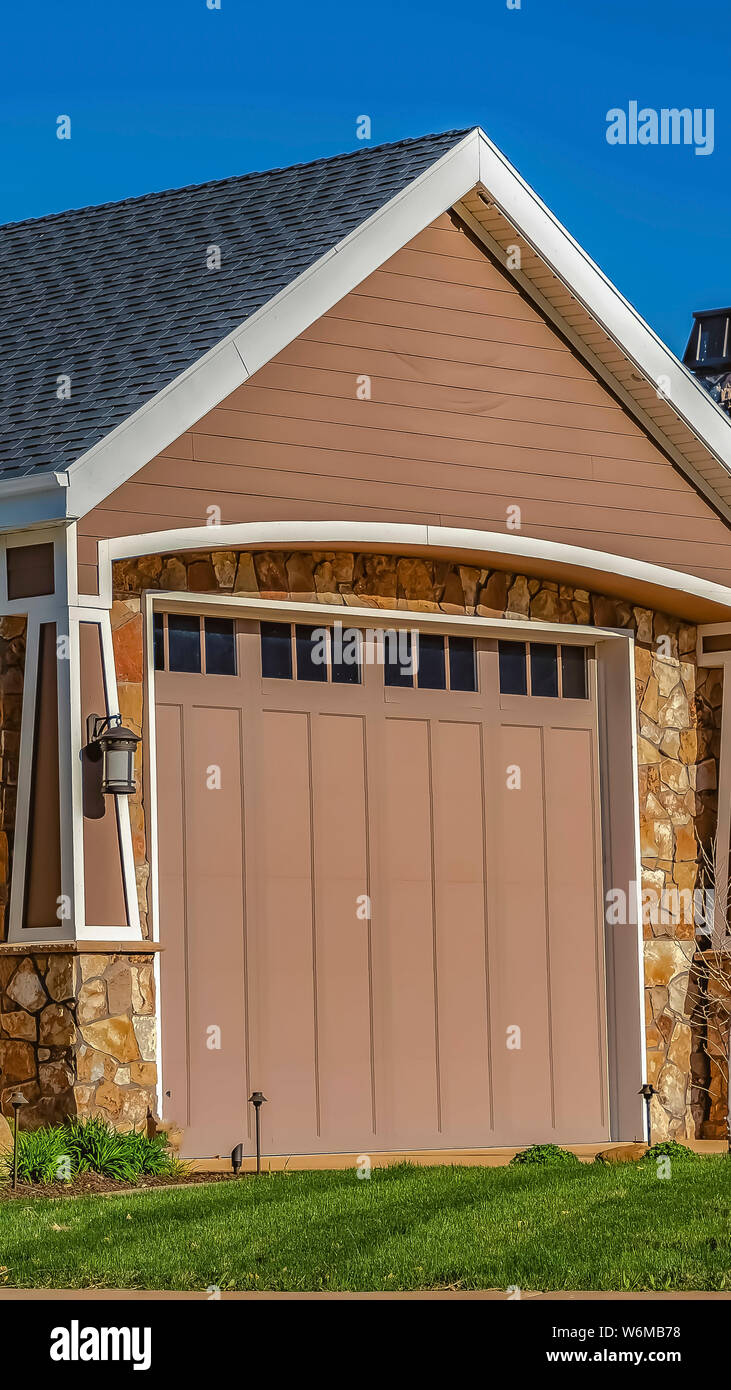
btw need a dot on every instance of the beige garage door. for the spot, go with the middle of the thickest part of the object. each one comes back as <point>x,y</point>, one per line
<point>380,888</point>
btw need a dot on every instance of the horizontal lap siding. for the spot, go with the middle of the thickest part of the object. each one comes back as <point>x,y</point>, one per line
<point>476,404</point>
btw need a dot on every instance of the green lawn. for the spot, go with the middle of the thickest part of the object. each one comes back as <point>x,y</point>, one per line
<point>591,1227</point>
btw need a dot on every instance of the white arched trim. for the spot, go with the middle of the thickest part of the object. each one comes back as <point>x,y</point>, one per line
<point>674,591</point>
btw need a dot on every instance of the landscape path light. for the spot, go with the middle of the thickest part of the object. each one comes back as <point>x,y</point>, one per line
<point>257,1100</point>
<point>648,1091</point>
<point>17,1101</point>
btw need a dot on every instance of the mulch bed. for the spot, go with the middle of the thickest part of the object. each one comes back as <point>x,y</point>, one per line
<point>95,1184</point>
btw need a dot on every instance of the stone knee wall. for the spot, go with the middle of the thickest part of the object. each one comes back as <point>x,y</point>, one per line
<point>77,1034</point>
<point>12,665</point>
<point>678,719</point>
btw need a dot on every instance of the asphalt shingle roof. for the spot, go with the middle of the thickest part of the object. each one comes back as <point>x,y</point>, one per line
<point>119,298</point>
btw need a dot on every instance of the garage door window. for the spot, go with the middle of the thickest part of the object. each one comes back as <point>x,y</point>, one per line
<point>193,644</point>
<point>301,652</point>
<point>438,663</point>
<point>543,669</point>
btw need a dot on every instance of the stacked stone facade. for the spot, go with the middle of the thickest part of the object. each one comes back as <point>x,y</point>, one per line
<point>77,1034</point>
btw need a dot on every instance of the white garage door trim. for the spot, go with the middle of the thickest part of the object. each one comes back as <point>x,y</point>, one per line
<point>619,792</point>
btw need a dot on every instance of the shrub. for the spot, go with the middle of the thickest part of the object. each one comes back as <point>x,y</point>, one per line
<point>544,1153</point>
<point>670,1148</point>
<point>41,1155</point>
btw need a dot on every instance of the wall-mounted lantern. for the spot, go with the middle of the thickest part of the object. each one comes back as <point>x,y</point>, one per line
<point>108,739</point>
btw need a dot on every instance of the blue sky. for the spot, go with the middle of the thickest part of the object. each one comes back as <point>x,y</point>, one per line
<point>167,92</point>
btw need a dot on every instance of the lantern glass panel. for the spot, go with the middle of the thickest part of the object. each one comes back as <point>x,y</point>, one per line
<point>119,769</point>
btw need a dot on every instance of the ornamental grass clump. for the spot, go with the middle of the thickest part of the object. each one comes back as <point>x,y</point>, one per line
<point>59,1153</point>
<point>544,1154</point>
<point>42,1156</point>
<point>96,1147</point>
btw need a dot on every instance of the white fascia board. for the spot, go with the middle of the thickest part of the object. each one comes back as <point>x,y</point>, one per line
<point>401,536</point>
<point>588,283</point>
<point>160,421</point>
<point>675,581</point>
<point>33,500</point>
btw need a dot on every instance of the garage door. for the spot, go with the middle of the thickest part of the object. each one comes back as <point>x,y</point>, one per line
<point>380,890</point>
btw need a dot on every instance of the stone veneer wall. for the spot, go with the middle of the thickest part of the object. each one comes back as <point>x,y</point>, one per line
<point>12,665</point>
<point>678,710</point>
<point>77,1034</point>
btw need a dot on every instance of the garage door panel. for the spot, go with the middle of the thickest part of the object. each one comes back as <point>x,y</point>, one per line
<point>407,1106</point>
<point>173,926</point>
<point>217,1011</point>
<point>283,795</point>
<point>518,938</point>
<point>281,957</point>
<point>459,860</point>
<point>281,989</point>
<point>343,931</point>
<point>464,1051</point>
<point>215,908</point>
<point>575,956</point>
<point>404,963</point>
<point>213,793</point>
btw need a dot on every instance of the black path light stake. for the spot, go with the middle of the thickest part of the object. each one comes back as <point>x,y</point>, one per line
<point>648,1091</point>
<point>257,1100</point>
<point>17,1101</point>
<point>237,1158</point>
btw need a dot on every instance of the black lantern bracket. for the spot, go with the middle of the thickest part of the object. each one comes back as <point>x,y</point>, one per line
<point>98,724</point>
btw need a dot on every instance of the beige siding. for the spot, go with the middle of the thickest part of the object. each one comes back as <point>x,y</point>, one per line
<point>476,404</point>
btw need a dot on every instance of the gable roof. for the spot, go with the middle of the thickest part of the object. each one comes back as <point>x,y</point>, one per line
<point>120,299</point>
<point>167,360</point>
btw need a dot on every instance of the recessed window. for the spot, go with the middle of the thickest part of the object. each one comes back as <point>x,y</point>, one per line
<point>184,643</point>
<point>220,645</point>
<point>191,642</point>
<point>536,668</point>
<point>711,339</point>
<point>311,648</point>
<point>398,658</point>
<point>320,653</point>
<point>276,651</point>
<point>346,646</point>
<point>158,640</point>
<point>573,673</point>
<point>513,668</point>
<point>544,670</point>
<point>462,665</point>
<point>429,661</point>
<point>431,667</point>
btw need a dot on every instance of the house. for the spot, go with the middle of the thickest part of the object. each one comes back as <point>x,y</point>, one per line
<point>402,547</point>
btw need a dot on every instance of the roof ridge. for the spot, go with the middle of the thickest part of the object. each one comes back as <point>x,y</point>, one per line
<point>234,178</point>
